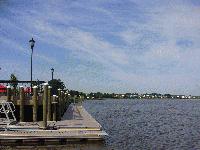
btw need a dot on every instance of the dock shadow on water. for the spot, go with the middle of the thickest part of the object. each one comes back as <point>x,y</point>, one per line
<point>85,145</point>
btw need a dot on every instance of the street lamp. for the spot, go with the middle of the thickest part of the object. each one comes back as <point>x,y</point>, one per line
<point>32,42</point>
<point>52,70</point>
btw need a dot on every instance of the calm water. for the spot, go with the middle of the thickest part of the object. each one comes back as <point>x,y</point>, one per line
<point>143,124</point>
<point>149,124</point>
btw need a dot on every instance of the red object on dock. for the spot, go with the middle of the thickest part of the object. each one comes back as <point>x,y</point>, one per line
<point>2,88</point>
<point>27,90</point>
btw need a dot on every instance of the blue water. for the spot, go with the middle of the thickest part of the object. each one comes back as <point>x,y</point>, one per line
<point>141,124</point>
<point>148,124</point>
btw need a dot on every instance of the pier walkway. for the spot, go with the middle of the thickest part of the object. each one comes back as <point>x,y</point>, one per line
<point>76,124</point>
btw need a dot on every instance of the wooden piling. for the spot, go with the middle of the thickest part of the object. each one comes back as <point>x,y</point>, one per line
<point>8,93</point>
<point>62,103</point>
<point>74,99</point>
<point>49,118</point>
<point>59,104</point>
<point>68,99</point>
<point>65,102</point>
<point>45,101</point>
<point>57,108</point>
<point>54,102</point>
<point>35,104</point>
<point>21,104</point>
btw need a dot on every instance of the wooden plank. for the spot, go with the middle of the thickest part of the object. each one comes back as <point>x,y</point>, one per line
<point>49,134</point>
<point>82,126</point>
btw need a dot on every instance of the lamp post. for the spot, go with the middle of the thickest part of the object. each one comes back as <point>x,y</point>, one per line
<point>52,70</point>
<point>32,42</point>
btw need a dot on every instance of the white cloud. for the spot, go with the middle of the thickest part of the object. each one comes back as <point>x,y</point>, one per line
<point>81,41</point>
<point>144,54</point>
<point>170,23</point>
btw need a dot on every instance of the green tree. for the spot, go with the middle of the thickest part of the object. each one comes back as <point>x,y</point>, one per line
<point>73,93</point>
<point>168,95</point>
<point>56,84</point>
<point>98,95</point>
<point>14,80</point>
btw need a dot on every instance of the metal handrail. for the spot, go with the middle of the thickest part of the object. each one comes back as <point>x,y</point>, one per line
<point>6,108</point>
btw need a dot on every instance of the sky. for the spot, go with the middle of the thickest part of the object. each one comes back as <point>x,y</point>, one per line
<point>110,46</point>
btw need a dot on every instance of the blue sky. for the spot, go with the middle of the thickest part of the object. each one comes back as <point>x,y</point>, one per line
<point>104,45</point>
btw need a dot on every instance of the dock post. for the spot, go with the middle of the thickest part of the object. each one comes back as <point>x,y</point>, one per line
<point>35,104</point>
<point>54,107</point>
<point>69,99</point>
<point>75,99</point>
<point>49,118</point>
<point>21,103</point>
<point>62,102</point>
<point>8,93</point>
<point>65,101</point>
<point>57,108</point>
<point>45,101</point>
<point>59,104</point>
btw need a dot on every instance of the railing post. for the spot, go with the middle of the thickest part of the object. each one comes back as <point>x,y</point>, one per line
<point>35,103</point>
<point>21,103</point>
<point>54,107</point>
<point>8,93</point>
<point>45,101</point>
<point>49,104</point>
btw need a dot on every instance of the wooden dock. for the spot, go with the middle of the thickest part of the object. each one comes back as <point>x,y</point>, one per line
<point>76,124</point>
<point>38,106</point>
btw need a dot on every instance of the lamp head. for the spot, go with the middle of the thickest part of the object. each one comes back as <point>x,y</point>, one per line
<point>32,42</point>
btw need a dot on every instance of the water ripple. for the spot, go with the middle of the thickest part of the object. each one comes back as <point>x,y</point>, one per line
<point>149,124</point>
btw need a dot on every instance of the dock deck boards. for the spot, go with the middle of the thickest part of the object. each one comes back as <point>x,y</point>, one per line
<point>76,123</point>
